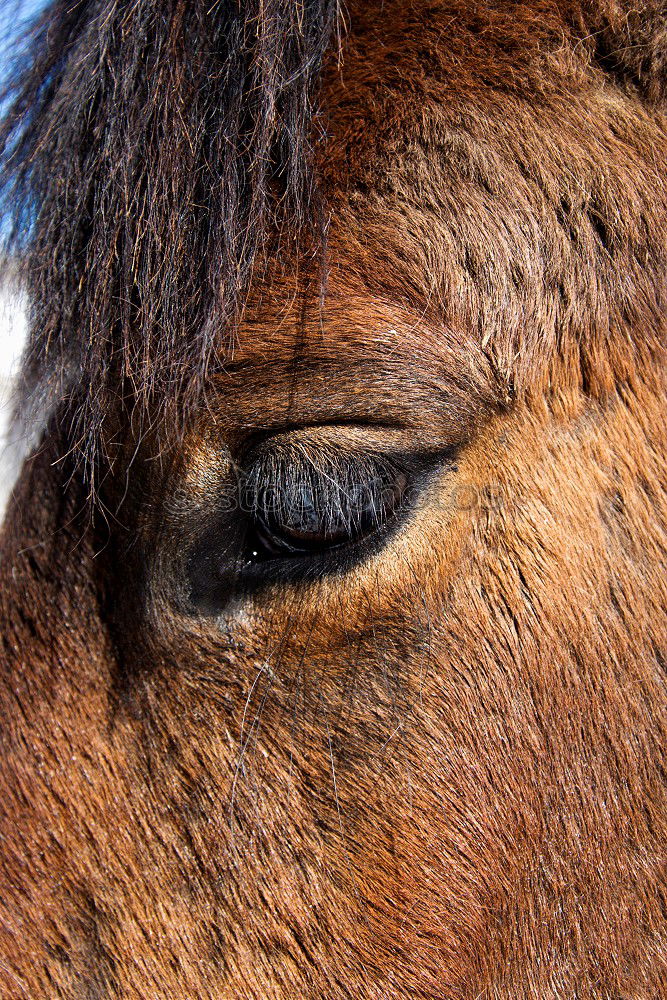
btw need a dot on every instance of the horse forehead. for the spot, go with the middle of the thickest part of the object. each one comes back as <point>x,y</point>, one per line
<point>429,50</point>
<point>458,89</point>
<point>348,326</point>
<point>357,358</point>
<point>454,156</point>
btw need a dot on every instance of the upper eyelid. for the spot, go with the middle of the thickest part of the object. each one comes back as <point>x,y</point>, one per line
<point>256,437</point>
<point>354,435</point>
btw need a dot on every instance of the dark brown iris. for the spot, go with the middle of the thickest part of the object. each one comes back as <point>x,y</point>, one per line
<point>300,508</point>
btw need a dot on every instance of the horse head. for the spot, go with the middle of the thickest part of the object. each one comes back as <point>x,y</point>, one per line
<point>333,594</point>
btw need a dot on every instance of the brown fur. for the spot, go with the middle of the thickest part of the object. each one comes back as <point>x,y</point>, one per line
<point>441,772</point>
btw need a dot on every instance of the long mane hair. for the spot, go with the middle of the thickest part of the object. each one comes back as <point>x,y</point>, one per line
<point>147,151</point>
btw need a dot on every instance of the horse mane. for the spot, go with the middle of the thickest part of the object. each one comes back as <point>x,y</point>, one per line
<point>148,151</point>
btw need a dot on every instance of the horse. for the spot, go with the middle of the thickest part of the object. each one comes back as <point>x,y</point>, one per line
<point>334,647</point>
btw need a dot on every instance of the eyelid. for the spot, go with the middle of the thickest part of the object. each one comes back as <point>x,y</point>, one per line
<point>344,437</point>
<point>255,437</point>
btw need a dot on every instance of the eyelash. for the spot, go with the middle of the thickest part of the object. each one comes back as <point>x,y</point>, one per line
<point>299,509</point>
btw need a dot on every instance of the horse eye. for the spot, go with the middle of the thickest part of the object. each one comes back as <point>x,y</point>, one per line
<point>298,508</point>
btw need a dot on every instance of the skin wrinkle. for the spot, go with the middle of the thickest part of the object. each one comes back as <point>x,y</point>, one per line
<point>436,770</point>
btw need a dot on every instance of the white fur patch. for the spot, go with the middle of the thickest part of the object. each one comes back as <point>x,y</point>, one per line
<point>13,325</point>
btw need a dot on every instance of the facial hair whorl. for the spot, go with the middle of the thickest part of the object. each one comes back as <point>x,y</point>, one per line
<point>148,150</point>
